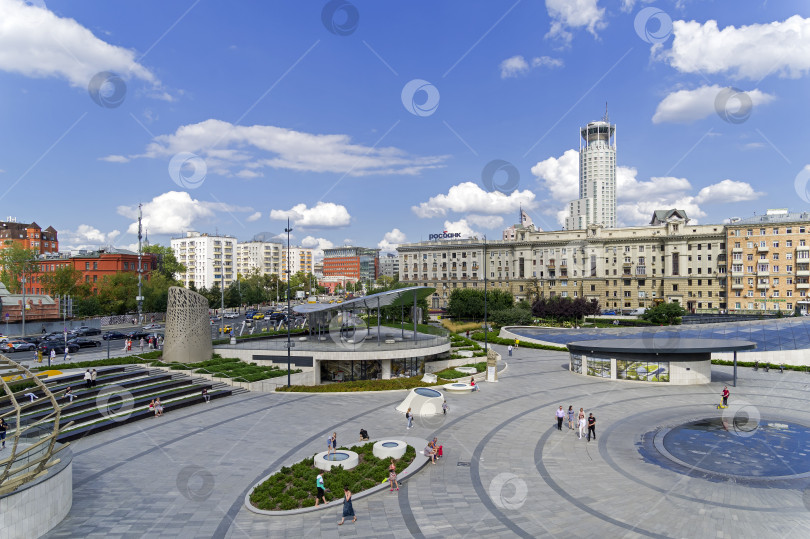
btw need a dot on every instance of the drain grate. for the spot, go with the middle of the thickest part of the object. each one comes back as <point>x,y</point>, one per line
<point>463,463</point>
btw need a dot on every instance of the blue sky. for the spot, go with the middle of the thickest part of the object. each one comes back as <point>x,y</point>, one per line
<point>238,115</point>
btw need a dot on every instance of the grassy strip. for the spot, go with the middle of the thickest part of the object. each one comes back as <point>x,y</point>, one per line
<point>800,368</point>
<point>293,487</point>
<point>229,367</point>
<point>453,374</point>
<point>364,385</point>
<point>18,386</point>
<point>479,336</point>
<point>459,327</point>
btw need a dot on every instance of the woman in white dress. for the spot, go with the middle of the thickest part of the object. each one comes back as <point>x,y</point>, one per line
<point>581,422</point>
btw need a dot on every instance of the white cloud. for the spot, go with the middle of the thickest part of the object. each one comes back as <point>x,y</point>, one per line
<point>748,52</point>
<point>687,106</point>
<point>391,240</point>
<point>255,217</point>
<point>485,221</point>
<point>468,197</point>
<point>462,226</point>
<point>574,14</point>
<point>728,191</point>
<point>226,147</point>
<point>322,215</point>
<point>317,245</point>
<point>115,159</point>
<point>754,146</point>
<point>636,199</point>
<point>85,237</point>
<point>35,42</point>
<point>174,212</point>
<point>560,176</point>
<point>517,65</point>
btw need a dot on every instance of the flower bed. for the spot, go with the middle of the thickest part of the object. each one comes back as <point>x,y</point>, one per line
<point>293,487</point>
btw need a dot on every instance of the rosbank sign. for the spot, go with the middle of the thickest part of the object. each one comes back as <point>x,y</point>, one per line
<point>444,236</point>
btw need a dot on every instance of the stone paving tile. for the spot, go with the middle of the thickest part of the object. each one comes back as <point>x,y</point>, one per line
<point>186,475</point>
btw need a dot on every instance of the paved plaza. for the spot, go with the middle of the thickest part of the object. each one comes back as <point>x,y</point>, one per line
<point>507,471</point>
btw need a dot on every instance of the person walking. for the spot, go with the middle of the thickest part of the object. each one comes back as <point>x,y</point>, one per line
<point>444,408</point>
<point>87,379</point>
<point>3,429</point>
<point>142,343</point>
<point>571,418</point>
<point>581,422</point>
<point>560,416</point>
<point>321,492</point>
<point>517,343</point>
<point>725,395</point>
<point>510,350</point>
<point>93,375</point>
<point>66,356</point>
<point>409,417</point>
<point>392,476</point>
<point>591,427</point>
<point>348,510</point>
<point>53,355</point>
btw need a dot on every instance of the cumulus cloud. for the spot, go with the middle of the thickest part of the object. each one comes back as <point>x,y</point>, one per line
<point>687,106</point>
<point>85,237</point>
<point>637,199</point>
<point>175,212</point>
<point>391,241</point>
<point>322,215</point>
<point>517,65</point>
<point>569,15</point>
<point>468,197</point>
<point>255,216</point>
<point>115,159</point>
<point>462,226</point>
<point>748,52</point>
<point>35,42</point>
<point>245,151</point>
<point>317,245</point>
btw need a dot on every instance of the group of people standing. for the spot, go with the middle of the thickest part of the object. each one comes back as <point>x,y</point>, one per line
<point>90,378</point>
<point>577,419</point>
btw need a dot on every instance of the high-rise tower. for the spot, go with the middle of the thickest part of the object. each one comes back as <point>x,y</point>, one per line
<point>597,177</point>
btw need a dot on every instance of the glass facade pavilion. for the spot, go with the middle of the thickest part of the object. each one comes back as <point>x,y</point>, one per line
<point>769,335</point>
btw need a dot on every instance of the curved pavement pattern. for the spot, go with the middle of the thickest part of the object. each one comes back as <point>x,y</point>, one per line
<point>507,471</point>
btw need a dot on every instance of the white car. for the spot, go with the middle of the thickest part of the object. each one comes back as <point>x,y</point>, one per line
<point>152,326</point>
<point>230,315</point>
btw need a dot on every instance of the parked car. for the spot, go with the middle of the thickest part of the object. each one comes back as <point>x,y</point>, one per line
<point>47,346</point>
<point>83,342</point>
<point>230,315</point>
<point>258,316</point>
<point>152,326</point>
<point>32,340</point>
<point>17,345</point>
<point>113,336</point>
<point>609,312</point>
<point>277,316</point>
<point>86,331</point>
<point>137,335</point>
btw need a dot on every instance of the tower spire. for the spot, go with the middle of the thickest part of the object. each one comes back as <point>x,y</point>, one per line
<point>606,118</point>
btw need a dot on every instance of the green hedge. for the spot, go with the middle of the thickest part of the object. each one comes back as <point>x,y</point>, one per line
<point>293,487</point>
<point>364,385</point>
<point>479,336</point>
<point>453,374</point>
<point>800,368</point>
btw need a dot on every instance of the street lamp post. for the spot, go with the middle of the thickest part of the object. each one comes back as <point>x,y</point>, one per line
<point>485,294</point>
<point>287,271</point>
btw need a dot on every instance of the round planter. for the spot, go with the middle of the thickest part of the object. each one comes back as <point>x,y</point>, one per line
<point>341,457</point>
<point>389,449</point>
<point>458,387</point>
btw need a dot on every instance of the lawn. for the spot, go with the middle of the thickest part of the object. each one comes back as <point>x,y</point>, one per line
<point>453,374</point>
<point>227,367</point>
<point>293,487</point>
<point>365,385</point>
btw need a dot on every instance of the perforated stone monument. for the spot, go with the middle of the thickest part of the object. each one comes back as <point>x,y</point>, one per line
<point>188,329</point>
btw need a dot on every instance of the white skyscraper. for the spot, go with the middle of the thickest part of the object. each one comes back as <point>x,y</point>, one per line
<point>597,178</point>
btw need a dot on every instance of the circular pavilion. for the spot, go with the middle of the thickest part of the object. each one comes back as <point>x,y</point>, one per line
<point>673,361</point>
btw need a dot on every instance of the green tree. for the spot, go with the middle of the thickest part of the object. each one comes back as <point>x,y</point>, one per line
<point>156,292</point>
<point>233,295</point>
<point>167,264</point>
<point>515,316</point>
<point>17,262</point>
<point>664,313</point>
<point>117,292</point>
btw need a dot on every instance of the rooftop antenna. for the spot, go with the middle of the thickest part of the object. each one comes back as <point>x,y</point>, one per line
<point>606,119</point>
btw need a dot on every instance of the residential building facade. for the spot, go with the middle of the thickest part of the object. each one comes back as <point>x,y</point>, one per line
<point>769,262</point>
<point>28,236</point>
<point>208,259</point>
<point>300,260</point>
<point>262,257</point>
<point>625,268</point>
<point>389,265</point>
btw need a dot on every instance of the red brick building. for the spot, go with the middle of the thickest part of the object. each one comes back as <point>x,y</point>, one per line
<point>29,236</point>
<point>356,263</point>
<point>94,266</point>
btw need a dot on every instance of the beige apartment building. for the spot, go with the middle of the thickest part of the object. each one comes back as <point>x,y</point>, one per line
<point>262,257</point>
<point>769,262</point>
<point>624,268</point>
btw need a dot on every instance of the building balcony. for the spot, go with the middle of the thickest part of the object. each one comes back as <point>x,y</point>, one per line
<point>737,286</point>
<point>803,286</point>
<point>737,273</point>
<point>803,248</point>
<point>803,273</point>
<point>762,249</point>
<point>763,286</point>
<point>763,273</point>
<point>737,250</point>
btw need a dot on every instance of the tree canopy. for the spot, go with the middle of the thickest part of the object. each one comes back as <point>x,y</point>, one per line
<point>664,313</point>
<point>468,303</point>
<point>560,308</point>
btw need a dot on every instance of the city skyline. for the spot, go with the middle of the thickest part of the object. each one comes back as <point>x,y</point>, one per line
<point>373,133</point>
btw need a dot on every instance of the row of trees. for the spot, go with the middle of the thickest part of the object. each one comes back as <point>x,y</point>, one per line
<point>560,308</point>
<point>255,289</point>
<point>468,303</point>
